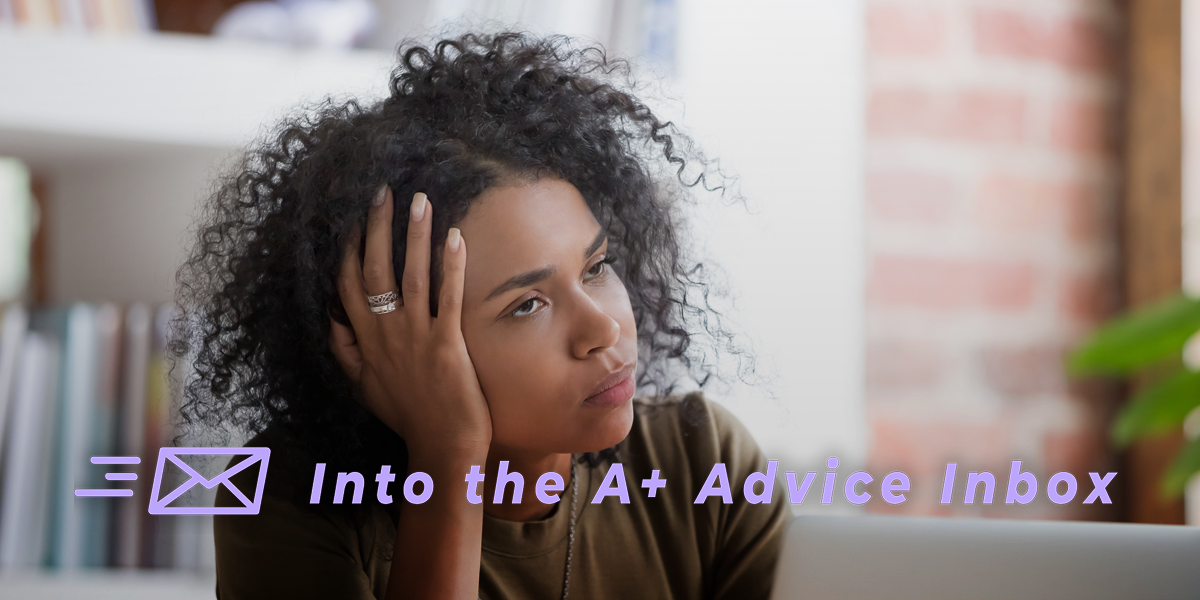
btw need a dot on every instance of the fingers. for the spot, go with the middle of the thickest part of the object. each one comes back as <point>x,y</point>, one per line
<point>378,275</point>
<point>454,265</point>
<point>350,287</point>
<point>416,260</point>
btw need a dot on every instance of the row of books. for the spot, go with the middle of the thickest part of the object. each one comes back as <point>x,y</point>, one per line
<point>103,16</point>
<point>77,382</point>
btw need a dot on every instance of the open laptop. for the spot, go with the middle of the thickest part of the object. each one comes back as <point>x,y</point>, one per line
<point>899,558</point>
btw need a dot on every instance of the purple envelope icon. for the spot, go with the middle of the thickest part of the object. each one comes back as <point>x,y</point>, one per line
<point>158,506</point>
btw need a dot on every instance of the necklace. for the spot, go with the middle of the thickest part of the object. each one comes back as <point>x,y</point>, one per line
<point>570,530</point>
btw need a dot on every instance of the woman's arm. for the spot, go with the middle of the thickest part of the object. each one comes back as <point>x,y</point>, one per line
<point>416,376</point>
<point>438,542</point>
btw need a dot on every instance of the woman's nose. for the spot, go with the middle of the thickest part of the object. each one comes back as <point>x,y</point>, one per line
<point>594,330</point>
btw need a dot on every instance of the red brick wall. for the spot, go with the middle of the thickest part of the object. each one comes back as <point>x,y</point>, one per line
<point>991,182</point>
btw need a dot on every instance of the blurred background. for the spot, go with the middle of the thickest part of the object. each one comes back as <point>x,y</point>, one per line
<point>943,199</point>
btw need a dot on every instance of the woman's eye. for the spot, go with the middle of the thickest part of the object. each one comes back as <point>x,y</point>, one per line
<point>598,268</point>
<point>527,307</point>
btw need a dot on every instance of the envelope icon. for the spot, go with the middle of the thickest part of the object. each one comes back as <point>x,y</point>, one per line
<point>158,506</point>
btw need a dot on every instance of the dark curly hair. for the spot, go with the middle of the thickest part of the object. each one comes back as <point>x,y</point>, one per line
<point>259,286</point>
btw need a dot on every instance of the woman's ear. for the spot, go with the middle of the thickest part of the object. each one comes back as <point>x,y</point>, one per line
<point>344,346</point>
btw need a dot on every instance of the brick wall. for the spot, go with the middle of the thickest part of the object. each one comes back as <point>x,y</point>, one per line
<point>991,182</point>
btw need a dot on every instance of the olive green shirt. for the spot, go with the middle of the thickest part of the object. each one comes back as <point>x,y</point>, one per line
<point>661,547</point>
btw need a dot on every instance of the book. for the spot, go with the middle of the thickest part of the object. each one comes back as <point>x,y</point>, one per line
<point>145,19</point>
<point>132,435</point>
<point>79,16</point>
<point>71,15</point>
<point>76,331</point>
<point>7,18</point>
<point>158,532</point>
<point>12,336</point>
<point>41,14</point>
<point>101,439</point>
<point>28,456</point>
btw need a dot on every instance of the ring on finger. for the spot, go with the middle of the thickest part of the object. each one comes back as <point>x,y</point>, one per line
<point>383,300</point>
<point>384,309</point>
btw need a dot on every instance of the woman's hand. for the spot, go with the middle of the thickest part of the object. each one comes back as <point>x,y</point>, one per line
<point>413,370</point>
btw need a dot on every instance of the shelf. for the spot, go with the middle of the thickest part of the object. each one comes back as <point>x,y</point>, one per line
<point>73,96</point>
<point>107,585</point>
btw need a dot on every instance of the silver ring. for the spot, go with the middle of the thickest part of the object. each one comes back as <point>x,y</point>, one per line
<point>385,309</point>
<point>383,300</point>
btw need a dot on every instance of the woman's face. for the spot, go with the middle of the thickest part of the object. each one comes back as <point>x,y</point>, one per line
<point>547,322</point>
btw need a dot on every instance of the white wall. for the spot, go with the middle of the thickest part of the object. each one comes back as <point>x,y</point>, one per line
<point>776,91</point>
<point>118,225</point>
<point>164,88</point>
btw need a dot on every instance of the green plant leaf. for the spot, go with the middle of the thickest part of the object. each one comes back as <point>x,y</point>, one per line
<point>1186,464</point>
<point>1159,408</point>
<point>1139,338</point>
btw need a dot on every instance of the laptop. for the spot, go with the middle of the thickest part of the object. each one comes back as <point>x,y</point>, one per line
<point>930,558</point>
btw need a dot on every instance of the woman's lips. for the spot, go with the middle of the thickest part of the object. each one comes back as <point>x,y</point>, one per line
<point>613,393</point>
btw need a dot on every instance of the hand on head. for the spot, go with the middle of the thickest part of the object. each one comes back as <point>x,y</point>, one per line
<point>412,369</point>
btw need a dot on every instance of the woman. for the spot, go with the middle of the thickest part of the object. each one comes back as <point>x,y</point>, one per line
<point>475,273</point>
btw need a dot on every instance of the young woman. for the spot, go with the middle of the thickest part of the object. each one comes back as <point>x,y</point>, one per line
<point>476,273</point>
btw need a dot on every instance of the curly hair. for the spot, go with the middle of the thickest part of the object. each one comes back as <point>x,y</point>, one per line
<point>258,288</point>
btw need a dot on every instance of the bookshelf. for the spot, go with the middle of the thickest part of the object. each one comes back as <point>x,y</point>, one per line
<point>171,89</point>
<point>127,133</point>
<point>124,134</point>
